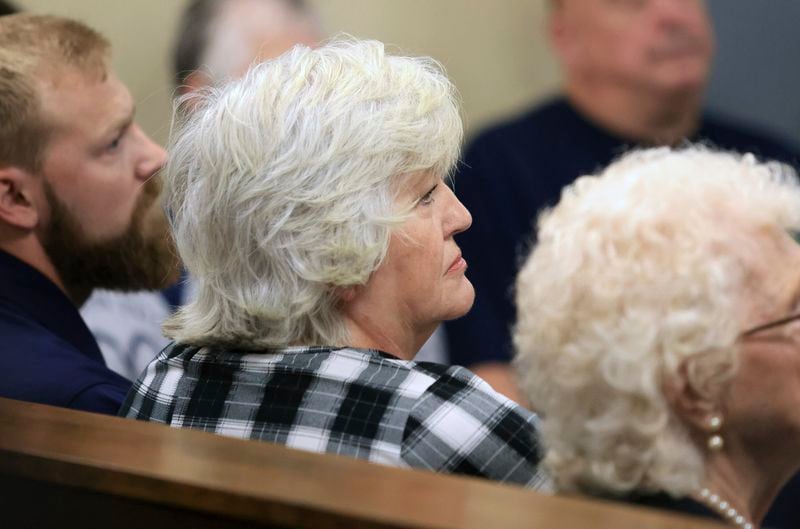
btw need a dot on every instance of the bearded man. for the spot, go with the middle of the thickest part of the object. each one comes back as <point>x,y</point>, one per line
<point>78,209</point>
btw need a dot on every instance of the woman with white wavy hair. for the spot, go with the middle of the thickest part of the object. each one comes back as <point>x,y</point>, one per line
<point>657,332</point>
<point>308,202</point>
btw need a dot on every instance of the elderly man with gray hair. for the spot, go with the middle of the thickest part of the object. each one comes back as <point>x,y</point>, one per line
<point>308,201</point>
<point>658,332</point>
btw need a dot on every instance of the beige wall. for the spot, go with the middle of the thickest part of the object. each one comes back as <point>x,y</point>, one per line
<point>494,51</point>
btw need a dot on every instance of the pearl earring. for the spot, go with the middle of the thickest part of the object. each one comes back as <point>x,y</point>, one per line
<point>715,441</point>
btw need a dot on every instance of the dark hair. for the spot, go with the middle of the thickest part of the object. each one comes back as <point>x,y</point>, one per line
<point>7,8</point>
<point>193,35</point>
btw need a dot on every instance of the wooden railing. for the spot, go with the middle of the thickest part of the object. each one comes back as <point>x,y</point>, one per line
<point>62,468</point>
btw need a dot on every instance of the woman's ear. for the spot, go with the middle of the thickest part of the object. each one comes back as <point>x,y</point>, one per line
<point>18,205</point>
<point>693,408</point>
<point>347,294</point>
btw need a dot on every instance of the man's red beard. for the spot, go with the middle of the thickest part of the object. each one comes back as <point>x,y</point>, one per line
<point>142,258</point>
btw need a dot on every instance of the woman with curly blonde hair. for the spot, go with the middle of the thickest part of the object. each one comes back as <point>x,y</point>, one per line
<point>657,332</point>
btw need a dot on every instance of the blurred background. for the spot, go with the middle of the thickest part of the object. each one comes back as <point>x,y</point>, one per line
<point>496,52</point>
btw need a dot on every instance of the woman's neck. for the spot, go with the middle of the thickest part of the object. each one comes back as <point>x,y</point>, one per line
<point>748,484</point>
<point>367,332</point>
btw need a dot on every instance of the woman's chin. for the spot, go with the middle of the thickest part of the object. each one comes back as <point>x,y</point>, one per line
<point>463,299</point>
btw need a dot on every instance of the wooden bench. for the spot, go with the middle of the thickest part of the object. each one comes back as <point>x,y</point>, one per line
<point>63,468</point>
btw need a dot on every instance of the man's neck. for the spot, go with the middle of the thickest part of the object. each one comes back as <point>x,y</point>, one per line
<point>636,115</point>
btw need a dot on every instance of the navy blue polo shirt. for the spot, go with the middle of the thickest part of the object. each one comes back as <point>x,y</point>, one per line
<point>48,354</point>
<point>510,173</point>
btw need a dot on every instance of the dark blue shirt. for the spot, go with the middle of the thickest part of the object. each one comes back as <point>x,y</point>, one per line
<point>48,354</point>
<point>514,170</point>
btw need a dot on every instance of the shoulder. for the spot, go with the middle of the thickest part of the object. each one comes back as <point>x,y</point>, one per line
<point>179,371</point>
<point>295,369</point>
<point>457,390</point>
<point>527,131</point>
<point>726,134</point>
<point>449,381</point>
<point>515,158</point>
<point>102,396</point>
<point>430,378</point>
<point>460,425</point>
<point>39,366</point>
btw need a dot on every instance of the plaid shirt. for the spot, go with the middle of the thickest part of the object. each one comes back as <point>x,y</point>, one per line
<point>355,402</point>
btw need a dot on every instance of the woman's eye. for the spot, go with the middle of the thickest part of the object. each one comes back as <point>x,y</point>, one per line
<point>427,198</point>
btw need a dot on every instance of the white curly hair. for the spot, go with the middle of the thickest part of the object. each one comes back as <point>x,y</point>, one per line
<point>636,278</point>
<point>281,187</point>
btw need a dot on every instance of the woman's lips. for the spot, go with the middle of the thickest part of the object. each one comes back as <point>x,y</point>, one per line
<point>459,264</point>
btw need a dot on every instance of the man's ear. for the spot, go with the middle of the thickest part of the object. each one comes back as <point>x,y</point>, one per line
<point>687,403</point>
<point>561,39</point>
<point>18,204</point>
<point>556,32</point>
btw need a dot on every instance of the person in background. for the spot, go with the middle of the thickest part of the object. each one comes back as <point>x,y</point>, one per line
<point>319,230</point>
<point>79,209</point>
<point>634,74</point>
<point>217,40</point>
<point>7,8</point>
<point>659,332</point>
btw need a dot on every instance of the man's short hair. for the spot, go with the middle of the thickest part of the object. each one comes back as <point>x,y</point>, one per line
<point>33,47</point>
<point>194,34</point>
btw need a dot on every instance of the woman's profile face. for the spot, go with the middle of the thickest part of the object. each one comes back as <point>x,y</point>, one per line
<point>422,277</point>
<point>762,403</point>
